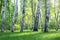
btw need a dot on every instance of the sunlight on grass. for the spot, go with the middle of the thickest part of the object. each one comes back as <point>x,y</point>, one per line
<point>19,34</point>
<point>22,34</point>
<point>30,35</point>
<point>51,35</point>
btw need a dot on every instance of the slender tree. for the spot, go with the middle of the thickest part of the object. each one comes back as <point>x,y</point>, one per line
<point>33,8</point>
<point>33,4</point>
<point>47,13</point>
<point>56,16</point>
<point>23,15</point>
<point>3,15</point>
<point>14,13</point>
<point>59,13</point>
<point>40,15</point>
<point>37,17</point>
<point>8,9</point>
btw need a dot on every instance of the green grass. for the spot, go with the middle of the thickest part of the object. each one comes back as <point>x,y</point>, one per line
<point>28,35</point>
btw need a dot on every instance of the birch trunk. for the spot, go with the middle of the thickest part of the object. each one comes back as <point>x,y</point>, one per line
<point>33,8</point>
<point>37,17</point>
<point>58,17</point>
<point>14,13</point>
<point>3,15</point>
<point>23,15</point>
<point>47,13</point>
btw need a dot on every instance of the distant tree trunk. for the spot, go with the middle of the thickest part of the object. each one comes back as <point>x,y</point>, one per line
<point>57,25</point>
<point>23,15</point>
<point>57,16</point>
<point>47,12</point>
<point>37,17</point>
<point>8,3</point>
<point>33,8</point>
<point>59,13</point>
<point>41,21</point>
<point>3,15</point>
<point>16,15</point>
<point>15,12</point>
<point>13,18</point>
<point>40,15</point>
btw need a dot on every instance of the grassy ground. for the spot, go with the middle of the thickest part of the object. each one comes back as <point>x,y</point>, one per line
<point>28,35</point>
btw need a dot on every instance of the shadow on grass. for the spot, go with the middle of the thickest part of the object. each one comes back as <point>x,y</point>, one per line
<point>56,38</point>
<point>27,35</point>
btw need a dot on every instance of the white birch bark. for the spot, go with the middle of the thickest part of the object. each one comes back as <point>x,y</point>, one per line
<point>47,13</point>
<point>3,15</point>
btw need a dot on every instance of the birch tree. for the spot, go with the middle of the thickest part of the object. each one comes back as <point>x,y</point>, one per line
<point>37,17</point>
<point>33,8</point>
<point>3,15</point>
<point>8,9</point>
<point>59,13</point>
<point>58,17</point>
<point>14,13</point>
<point>23,15</point>
<point>40,15</point>
<point>47,13</point>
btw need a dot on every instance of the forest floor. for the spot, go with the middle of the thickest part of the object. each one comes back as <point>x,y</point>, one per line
<point>29,35</point>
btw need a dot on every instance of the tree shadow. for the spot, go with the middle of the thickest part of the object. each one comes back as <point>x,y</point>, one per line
<point>56,38</point>
<point>28,35</point>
